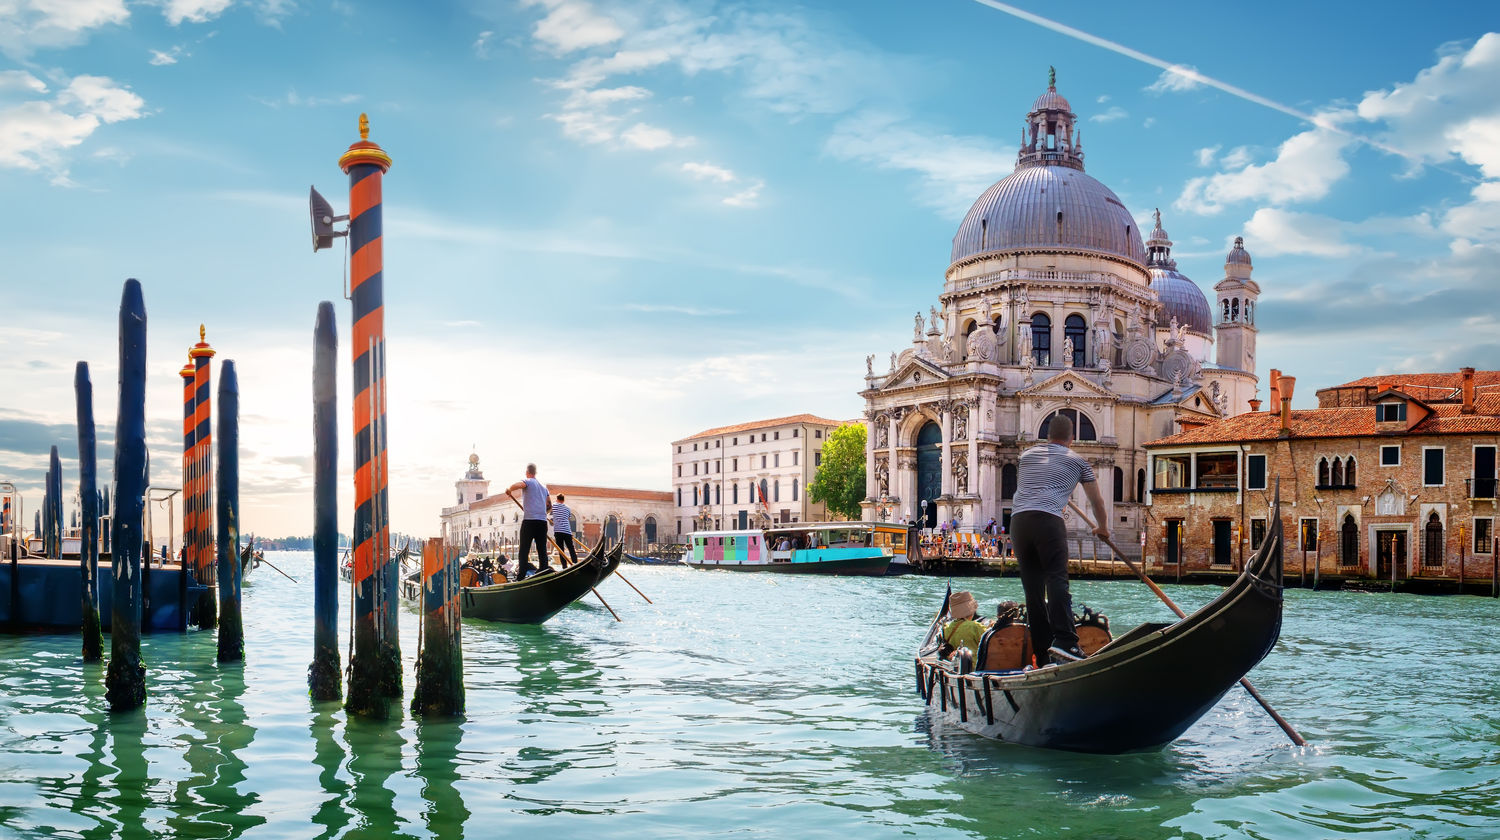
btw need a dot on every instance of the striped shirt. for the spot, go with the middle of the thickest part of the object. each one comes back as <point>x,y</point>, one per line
<point>1048,475</point>
<point>562,519</point>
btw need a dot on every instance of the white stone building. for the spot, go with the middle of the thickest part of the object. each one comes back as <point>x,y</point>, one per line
<point>484,522</point>
<point>1052,304</point>
<point>719,475</point>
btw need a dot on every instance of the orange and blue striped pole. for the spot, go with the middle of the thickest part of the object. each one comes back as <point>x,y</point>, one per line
<point>203,470</point>
<point>375,667</point>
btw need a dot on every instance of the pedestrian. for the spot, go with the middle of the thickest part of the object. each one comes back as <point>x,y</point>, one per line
<point>535,502</point>
<point>1048,474</point>
<point>562,529</point>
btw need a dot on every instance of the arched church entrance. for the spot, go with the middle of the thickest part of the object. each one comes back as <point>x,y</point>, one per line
<point>929,462</point>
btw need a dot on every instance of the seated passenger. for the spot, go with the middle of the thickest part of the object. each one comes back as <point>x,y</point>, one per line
<point>963,631</point>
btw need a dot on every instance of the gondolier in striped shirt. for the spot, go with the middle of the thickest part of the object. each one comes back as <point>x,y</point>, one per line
<point>562,529</point>
<point>1046,478</point>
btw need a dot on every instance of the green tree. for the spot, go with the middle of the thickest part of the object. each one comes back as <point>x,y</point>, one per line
<point>840,482</point>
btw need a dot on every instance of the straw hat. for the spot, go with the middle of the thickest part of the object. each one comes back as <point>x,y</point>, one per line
<point>962,605</point>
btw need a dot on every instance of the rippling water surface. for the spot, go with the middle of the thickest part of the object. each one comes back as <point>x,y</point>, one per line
<point>749,706</point>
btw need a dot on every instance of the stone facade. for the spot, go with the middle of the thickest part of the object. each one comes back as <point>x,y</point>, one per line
<point>1376,481</point>
<point>1052,303</point>
<point>481,522</point>
<point>718,474</point>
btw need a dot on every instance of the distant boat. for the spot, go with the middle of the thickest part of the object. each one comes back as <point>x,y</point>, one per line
<point>816,548</point>
<point>1137,692</point>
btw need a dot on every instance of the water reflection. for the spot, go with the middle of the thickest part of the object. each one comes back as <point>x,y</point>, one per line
<point>438,767</point>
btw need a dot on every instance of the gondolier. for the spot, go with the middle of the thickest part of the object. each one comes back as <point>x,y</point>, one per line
<point>1046,478</point>
<point>535,503</point>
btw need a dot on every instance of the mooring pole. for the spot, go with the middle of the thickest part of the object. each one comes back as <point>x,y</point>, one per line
<point>53,541</point>
<point>323,676</point>
<point>189,554</point>
<point>440,666</point>
<point>88,530</point>
<point>203,465</point>
<point>125,681</point>
<point>375,668</point>
<point>227,540</point>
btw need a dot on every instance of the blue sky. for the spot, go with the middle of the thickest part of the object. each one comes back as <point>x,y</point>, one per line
<point>613,224</point>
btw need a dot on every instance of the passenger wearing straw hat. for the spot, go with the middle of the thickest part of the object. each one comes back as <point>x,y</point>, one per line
<point>963,631</point>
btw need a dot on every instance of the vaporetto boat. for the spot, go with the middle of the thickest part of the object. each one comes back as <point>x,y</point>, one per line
<point>817,548</point>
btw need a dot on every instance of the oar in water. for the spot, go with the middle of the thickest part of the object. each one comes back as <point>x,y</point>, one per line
<point>1280,721</point>
<point>560,556</point>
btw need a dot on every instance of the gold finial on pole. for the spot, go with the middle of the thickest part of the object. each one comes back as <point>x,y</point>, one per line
<point>364,127</point>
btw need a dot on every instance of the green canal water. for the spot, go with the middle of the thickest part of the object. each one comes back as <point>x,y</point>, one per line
<point>749,706</point>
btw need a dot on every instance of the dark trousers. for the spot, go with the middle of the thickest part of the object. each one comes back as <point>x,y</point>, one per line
<point>565,541</point>
<point>1040,541</point>
<point>532,531</point>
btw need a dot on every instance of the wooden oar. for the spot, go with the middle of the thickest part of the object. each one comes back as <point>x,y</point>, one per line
<point>585,547</point>
<point>1280,721</point>
<point>560,556</point>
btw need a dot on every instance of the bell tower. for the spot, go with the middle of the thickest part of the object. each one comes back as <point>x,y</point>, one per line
<point>1235,318</point>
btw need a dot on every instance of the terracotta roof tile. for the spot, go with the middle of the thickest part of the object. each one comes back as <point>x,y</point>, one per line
<point>810,419</point>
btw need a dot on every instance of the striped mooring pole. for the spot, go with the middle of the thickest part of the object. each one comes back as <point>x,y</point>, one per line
<point>125,681</point>
<point>440,662</point>
<point>323,675</point>
<point>375,666</point>
<point>203,474</point>
<point>189,555</point>
<point>88,530</point>
<point>227,540</point>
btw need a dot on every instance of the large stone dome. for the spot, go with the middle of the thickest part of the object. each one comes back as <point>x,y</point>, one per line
<point>1042,208</point>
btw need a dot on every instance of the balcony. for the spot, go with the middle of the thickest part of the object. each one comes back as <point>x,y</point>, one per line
<point>1480,488</point>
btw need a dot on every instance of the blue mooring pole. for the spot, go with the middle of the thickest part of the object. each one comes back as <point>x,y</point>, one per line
<point>88,530</point>
<point>324,674</point>
<point>231,623</point>
<point>125,682</point>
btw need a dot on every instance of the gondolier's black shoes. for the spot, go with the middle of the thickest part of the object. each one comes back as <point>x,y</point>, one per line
<point>1061,655</point>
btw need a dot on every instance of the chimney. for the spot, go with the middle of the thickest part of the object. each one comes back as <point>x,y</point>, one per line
<point>1275,390</point>
<point>1286,384</point>
<point>1468,374</point>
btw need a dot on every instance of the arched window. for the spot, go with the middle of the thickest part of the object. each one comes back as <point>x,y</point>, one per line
<point>1336,477</point>
<point>1119,485</point>
<point>1349,542</point>
<point>1349,472</point>
<point>1083,427</point>
<point>1075,329</point>
<point>1008,481</point>
<point>1322,472</point>
<point>1432,541</point>
<point>1041,338</point>
<point>1140,485</point>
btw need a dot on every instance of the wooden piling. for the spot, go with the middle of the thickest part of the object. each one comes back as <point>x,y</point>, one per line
<point>323,675</point>
<point>125,682</point>
<point>88,530</point>
<point>375,667</point>
<point>440,664</point>
<point>203,461</point>
<point>227,541</point>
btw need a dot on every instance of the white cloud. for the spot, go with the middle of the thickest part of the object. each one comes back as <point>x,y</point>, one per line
<point>29,25</point>
<point>570,26</point>
<point>1305,168</point>
<point>1206,155</point>
<point>193,11</point>
<point>953,169</point>
<point>1177,78</point>
<point>35,134</point>
<point>650,137</point>
<point>1115,112</point>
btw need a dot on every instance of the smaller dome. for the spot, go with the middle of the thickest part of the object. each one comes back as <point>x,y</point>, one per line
<point>1181,298</point>
<point>1238,255</point>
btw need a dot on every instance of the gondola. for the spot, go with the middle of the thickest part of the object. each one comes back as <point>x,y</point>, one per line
<point>539,597</point>
<point>1137,692</point>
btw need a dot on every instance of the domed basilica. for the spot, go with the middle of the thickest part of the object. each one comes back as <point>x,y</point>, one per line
<point>1052,304</point>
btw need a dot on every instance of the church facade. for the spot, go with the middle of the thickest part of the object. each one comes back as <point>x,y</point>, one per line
<point>1053,305</point>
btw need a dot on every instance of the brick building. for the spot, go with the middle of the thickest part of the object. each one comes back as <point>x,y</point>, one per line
<point>1389,476</point>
